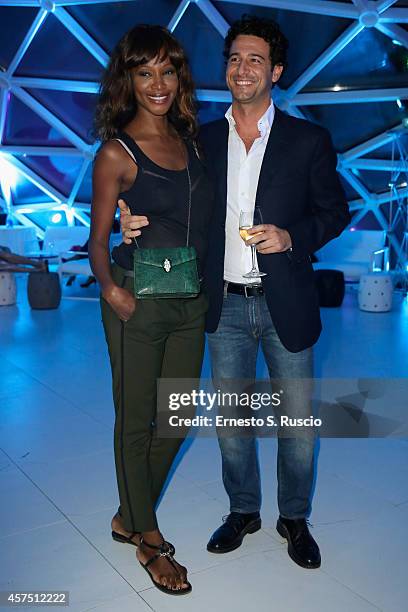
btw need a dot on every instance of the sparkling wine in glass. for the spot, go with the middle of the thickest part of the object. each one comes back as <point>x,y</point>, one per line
<point>247,220</point>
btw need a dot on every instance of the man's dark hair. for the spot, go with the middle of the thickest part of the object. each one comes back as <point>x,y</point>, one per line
<point>268,29</point>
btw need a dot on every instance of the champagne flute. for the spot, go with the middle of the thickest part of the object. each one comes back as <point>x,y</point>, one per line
<point>247,220</point>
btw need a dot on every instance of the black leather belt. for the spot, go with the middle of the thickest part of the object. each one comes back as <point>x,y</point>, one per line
<point>246,290</point>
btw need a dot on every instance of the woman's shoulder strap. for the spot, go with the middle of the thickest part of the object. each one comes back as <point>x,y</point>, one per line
<point>129,145</point>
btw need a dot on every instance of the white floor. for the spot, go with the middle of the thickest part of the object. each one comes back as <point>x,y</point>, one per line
<point>58,486</point>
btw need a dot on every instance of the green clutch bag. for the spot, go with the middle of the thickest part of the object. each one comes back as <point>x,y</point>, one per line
<point>166,273</point>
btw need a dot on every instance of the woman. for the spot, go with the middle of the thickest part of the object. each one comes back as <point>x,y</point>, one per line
<point>11,262</point>
<point>147,123</point>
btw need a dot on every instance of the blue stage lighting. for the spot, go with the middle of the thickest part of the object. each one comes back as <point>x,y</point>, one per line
<point>8,174</point>
<point>8,181</point>
<point>56,218</point>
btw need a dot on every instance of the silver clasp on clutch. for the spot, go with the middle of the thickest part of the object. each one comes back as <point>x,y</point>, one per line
<point>167,265</point>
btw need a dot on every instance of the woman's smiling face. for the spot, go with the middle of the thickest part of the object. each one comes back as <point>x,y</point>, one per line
<point>155,85</point>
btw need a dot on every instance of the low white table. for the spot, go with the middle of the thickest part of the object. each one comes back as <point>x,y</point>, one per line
<point>19,239</point>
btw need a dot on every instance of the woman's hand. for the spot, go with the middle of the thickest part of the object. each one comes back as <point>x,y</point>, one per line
<point>121,300</point>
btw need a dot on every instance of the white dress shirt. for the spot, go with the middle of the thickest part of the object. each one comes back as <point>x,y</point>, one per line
<point>242,183</point>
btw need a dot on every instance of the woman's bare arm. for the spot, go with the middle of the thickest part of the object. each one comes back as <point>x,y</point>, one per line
<point>110,167</point>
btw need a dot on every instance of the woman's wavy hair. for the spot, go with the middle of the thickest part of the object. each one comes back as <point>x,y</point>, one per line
<point>117,103</point>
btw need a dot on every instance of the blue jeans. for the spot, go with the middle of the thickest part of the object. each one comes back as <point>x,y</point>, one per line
<point>245,324</point>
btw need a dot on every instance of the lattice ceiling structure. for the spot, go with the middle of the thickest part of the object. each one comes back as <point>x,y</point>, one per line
<point>348,67</point>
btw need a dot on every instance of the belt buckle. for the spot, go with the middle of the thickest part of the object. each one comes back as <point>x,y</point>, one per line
<point>246,291</point>
<point>249,286</point>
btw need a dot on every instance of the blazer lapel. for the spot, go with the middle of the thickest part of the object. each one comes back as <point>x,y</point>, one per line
<point>274,155</point>
<point>222,162</point>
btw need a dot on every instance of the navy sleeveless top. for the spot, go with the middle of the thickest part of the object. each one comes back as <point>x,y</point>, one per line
<point>162,195</point>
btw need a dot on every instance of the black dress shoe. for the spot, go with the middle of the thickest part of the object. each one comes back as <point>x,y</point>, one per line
<point>302,548</point>
<point>229,536</point>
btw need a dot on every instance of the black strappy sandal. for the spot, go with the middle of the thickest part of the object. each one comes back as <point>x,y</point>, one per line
<point>164,550</point>
<point>119,537</point>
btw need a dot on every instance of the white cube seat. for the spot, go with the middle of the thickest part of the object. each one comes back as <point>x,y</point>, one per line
<point>8,289</point>
<point>375,292</point>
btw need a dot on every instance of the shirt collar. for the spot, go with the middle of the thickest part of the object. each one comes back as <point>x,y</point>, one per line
<point>264,123</point>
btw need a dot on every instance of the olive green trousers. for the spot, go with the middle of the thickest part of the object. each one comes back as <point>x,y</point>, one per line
<point>163,339</point>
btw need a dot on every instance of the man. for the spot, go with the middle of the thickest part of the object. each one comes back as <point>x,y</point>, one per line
<point>287,167</point>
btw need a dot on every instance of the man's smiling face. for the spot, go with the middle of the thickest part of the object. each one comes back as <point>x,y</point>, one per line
<point>249,72</point>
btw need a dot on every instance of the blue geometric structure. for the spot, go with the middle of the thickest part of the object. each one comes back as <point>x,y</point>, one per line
<point>348,66</point>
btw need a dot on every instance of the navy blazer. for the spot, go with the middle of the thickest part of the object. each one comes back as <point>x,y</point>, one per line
<point>298,190</point>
